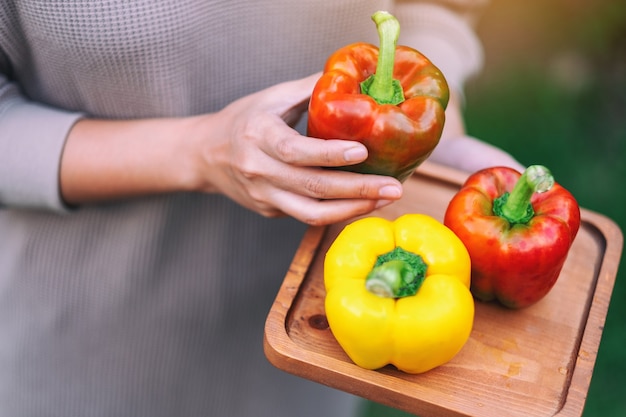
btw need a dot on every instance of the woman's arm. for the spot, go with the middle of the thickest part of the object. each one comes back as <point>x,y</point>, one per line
<point>458,150</point>
<point>246,151</point>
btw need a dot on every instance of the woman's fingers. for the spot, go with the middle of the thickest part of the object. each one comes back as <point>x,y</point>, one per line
<point>323,212</point>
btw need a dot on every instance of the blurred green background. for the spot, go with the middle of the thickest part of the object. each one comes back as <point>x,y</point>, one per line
<point>553,92</point>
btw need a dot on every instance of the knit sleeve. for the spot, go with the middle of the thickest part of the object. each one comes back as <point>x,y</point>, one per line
<point>32,137</point>
<point>443,31</point>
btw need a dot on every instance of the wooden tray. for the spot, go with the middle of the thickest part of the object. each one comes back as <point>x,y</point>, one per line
<point>532,362</point>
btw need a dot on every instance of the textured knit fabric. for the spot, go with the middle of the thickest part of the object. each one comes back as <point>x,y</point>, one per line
<point>155,306</point>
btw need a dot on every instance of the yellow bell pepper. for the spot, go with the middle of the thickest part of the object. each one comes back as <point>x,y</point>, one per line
<point>397,292</point>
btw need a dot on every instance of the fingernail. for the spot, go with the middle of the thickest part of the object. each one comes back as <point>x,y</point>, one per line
<point>390,191</point>
<point>383,203</point>
<point>356,154</point>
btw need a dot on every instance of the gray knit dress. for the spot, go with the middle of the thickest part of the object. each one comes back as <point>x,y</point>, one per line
<point>155,306</point>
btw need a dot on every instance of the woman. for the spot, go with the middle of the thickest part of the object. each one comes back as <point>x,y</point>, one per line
<point>153,192</point>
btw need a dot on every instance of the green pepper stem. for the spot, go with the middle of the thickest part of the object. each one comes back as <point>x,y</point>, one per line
<point>385,280</point>
<point>381,86</point>
<point>397,273</point>
<point>516,207</point>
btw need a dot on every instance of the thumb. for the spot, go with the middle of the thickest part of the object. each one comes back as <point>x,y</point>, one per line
<point>289,100</point>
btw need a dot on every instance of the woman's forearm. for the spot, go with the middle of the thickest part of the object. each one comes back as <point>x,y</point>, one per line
<point>105,160</point>
<point>458,150</point>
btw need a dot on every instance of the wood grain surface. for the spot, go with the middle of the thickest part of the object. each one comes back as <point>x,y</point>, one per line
<point>532,362</point>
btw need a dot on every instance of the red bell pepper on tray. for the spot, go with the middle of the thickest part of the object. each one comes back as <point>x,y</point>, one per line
<point>518,229</point>
<point>391,99</point>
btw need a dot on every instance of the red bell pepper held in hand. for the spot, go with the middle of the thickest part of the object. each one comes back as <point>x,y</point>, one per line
<point>517,229</point>
<point>391,99</point>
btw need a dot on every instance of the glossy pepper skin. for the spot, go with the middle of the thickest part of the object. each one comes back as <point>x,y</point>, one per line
<point>417,332</point>
<point>398,115</point>
<point>516,262</point>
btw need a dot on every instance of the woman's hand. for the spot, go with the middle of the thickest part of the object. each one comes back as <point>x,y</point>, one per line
<point>250,153</point>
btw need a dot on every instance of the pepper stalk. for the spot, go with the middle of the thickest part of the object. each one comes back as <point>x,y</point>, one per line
<point>515,207</point>
<point>381,85</point>
<point>398,273</point>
